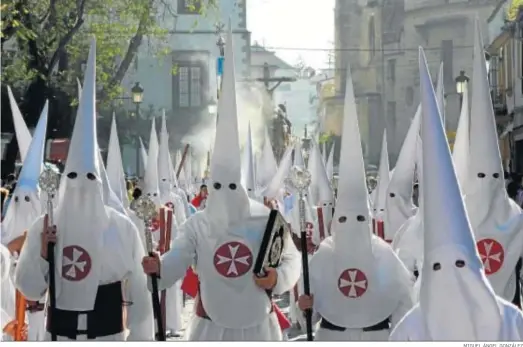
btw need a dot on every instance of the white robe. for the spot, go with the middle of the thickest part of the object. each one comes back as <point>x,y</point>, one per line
<point>183,196</point>
<point>174,295</point>
<point>317,265</point>
<point>197,240</point>
<point>7,300</point>
<point>408,243</point>
<point>36,324</point>
<point>412,328</point>
<point>122,257</point>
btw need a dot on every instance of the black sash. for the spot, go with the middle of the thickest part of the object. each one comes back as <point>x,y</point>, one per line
<point>104,320</point>
<point>325,324</point>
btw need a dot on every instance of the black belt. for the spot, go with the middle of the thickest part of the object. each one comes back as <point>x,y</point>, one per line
<point>104,320</point>
<point>204,315</point>
<point>325,324</point>
<point>36,307</point>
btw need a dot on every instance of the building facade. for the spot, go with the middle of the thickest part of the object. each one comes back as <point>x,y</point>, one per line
<point>380,40</point>
<point>506,79</point>
<point>183,82</point>
<point>358,44</point>
<point>445,28</point>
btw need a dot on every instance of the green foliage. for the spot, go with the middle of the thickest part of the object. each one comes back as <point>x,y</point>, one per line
<point>38,34</point>
<point>325,137</point>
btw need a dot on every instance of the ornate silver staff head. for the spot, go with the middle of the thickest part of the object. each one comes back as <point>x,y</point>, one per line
<point>48,181</point>
<point>300,178</point>
<point>146,209</point>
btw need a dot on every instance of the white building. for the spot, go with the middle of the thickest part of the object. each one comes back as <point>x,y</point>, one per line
<point>183,82</point>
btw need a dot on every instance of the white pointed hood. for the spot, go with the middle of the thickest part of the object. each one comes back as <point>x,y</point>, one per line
<point>350,226</point>
<point>143,153</point>
<point>174,179</point>
<point>248,177</point>
<point>329,166</point>
<point>164,167</point>
<point>82,157</point>
<point>266,165</point>
<point>320,187</point>
<point>25,206</point>
<point>485,194</point>
<point>298,155</point>
<point>383,180</point>
<point>352,241</point>
<point>23,136</point>
<point>460,152</point>
<point>440,93</point>
<point>278,180</point>
<point>79,86</point>
<point>110,197</point>
<point>324,152</point>
<point>151,184</point>
<point>456,299</point>
<point>115,171</point>
<point>398,203</point>
<point>225,161</point>
<point>81,216</point>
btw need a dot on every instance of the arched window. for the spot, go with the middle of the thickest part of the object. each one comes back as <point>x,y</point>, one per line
<point>372,37</point>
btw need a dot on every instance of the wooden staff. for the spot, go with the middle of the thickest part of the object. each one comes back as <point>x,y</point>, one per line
<point>166,217</point>
<point>21,303</point>
<point>146,210</point>
<point>182,161</point>
<point>300,178</point>
<point>49,181</point>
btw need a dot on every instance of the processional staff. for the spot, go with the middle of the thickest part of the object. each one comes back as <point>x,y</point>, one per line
<point>49,181</point>
<point>147,211</point>
<point>300,179</point>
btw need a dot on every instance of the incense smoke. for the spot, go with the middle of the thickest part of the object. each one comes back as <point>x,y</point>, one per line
<point>251,101</point>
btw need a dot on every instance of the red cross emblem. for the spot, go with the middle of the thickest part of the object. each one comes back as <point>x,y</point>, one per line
<point>353,283</point>
<point>170,205</point>
<point>492,255</point>
<point>76,263</point>
<point>155,224</point>
<point>232,259</point>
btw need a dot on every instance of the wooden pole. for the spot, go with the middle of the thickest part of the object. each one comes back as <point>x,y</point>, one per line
<point>182,162</point>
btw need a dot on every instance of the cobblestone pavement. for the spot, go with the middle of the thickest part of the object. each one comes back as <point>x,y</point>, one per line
<point>282,301</point>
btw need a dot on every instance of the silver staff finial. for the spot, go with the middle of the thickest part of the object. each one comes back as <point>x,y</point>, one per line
<point>146,208</point>
<point>300,178</point>
<point>49,181</point>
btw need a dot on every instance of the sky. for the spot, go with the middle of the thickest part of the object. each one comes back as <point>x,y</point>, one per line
<point>294,24</point>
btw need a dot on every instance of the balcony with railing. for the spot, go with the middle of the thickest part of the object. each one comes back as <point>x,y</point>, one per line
<point>497,81</point>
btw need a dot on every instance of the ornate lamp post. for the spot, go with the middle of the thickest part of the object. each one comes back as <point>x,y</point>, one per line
<point>137,97</point>
<point>461,81</point>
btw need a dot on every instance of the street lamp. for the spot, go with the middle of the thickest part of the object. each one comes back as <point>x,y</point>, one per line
<point>461,82</point>
<point>137,96</point>
<point>221,45</point>
<point>137,92</point>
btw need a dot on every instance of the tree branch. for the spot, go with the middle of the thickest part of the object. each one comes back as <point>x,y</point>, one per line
<point>134,44</point>
<point>10,29</point>
<point>67,37</point>
<point>50,16</point>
